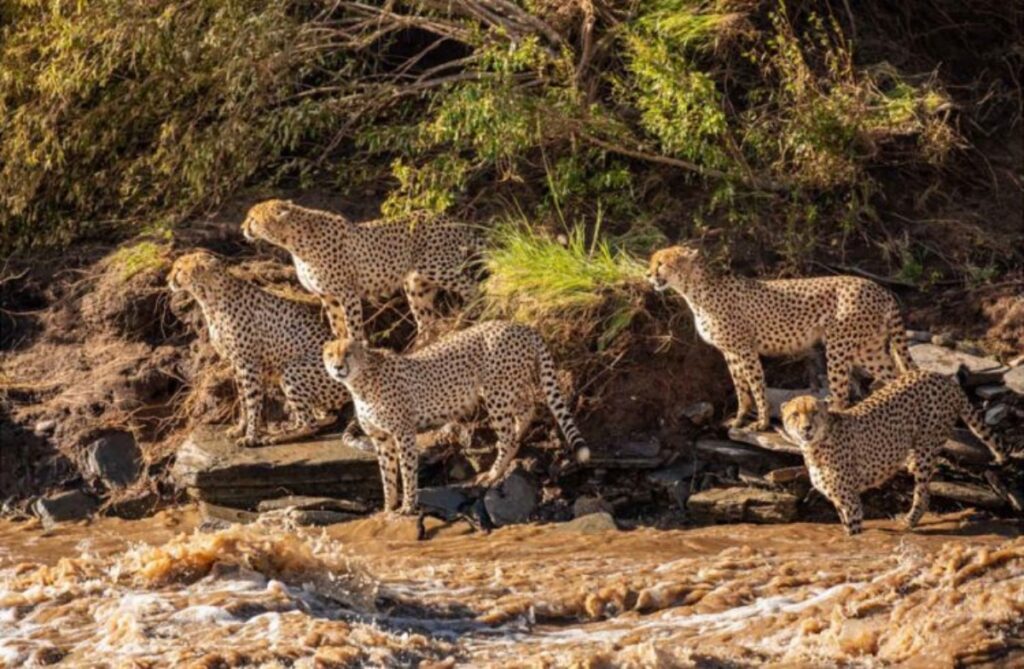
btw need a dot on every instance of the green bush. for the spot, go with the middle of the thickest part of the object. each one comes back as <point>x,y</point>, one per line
<point>655,117</point>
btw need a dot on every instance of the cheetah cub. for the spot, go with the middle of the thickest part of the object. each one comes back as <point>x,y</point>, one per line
<point>263,336</point>
<point>904,424</point>
<point>858,321</point>
<point>344,262</point>
<point>497,364</point>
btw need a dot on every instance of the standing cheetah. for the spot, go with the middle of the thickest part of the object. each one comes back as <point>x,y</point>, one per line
<point>344,262</point>
<point>263,336</point>
<point>498,364</point>
<point>858,321</point>
<point>904,424</point>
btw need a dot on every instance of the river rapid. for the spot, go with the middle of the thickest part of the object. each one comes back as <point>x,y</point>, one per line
<point>159,592</point>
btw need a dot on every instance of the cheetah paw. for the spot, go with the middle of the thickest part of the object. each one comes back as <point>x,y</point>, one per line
<point>248,442</point>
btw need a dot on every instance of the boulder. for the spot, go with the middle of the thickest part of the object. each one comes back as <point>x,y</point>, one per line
<point>513,501</point>
<point>1014,379</point>
<point>996,414</point>
<point>978,371</point>
<point>742,505</point>
<point>967,493</point>
<point>64,506</point>
<point>445,501</point>
<point>593,523</point>
<point>133,506</point>
<point>943,339</point>
<point>770,441</point>
<point>787,475</point>
<point>919,336</point>
<point>586,505</point>
<point>991,391</point>
<point>310,503</point>
<point>114,458</point>
<point>213,469</point>
<point>675,480</point>
<point>699,413</point>
<point>732,452</point>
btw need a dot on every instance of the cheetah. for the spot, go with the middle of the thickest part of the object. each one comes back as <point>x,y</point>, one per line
<point>497,364</point>
<point>903,424</point>
<point>858,321</point>
<point>344,262</point>
<point>263,336</point>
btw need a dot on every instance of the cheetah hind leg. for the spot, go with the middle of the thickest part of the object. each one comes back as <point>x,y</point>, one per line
<point>387,459</point>
<point>922,467</point>
<point>505,426</point>
<point>408,458</point>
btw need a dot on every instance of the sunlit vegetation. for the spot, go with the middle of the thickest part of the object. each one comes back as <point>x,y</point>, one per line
<point>651,120</point>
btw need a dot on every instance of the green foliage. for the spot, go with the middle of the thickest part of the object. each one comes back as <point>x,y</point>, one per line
<point>134,258</point>
<point>549,282</point>
<point>649,119</point>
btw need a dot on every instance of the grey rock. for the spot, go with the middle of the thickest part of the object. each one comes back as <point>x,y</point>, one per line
<point>593,523</point>
<point>966,493</point>
<point>444,501</point>
<point>996,414</point>
<point>675,480</point>
<point>310,503</point>
<point>211,468</point>
<point>991,391</point>
<point>699,413</point>
<point>943,339</point>
<point>978,371</point>
<point>114,458</point>
<point>65,506</point>
<point>133,507</point>
<point>513,501</point>
<point>1014,379</point>
<point>787,475</point>
<point>732,452</point>
<point>639,448</point>
<point>320,517</point>
<point>770,441</point>
<point>969,348</point>
<point>919,336</point>
<point>746,505</point>
<point>586,505</point>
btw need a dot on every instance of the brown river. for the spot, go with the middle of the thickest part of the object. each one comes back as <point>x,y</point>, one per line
<point>160,593</point>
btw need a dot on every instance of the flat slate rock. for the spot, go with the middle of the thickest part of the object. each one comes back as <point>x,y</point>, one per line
<point>213,469</point>
<point>980,371</point>
<point>1014,379</point>
<point>742,505</point>
<point>771,441</point>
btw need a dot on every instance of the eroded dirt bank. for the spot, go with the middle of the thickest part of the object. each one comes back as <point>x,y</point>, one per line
<point>151,592</point>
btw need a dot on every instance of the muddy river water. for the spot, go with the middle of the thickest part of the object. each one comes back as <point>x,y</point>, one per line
<point>160,593</point>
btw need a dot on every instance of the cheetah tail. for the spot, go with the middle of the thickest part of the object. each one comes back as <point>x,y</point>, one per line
<point>977,425</point>
<point>898,348</point>
<point>556,402</point>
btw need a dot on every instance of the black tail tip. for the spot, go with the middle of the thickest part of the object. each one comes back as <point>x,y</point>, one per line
<point>961,375</point>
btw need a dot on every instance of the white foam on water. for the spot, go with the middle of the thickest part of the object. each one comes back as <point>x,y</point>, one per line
<point>203,613</point>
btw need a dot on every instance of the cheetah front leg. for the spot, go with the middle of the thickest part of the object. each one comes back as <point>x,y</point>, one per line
<point>748,378</point>
<point>345,314</point>
<point>839,353</point>
<point>408,457</point>
<point>422,296</point>
<point>387,459</point>
<point>250,381</point>
<point>851,511</point>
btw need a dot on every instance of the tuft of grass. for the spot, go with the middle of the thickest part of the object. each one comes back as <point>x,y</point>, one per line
<point>553,282</point>
<point>145,255</point>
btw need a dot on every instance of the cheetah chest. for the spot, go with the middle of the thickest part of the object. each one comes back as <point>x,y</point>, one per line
<point>702,322</point>
<point>306,276</point>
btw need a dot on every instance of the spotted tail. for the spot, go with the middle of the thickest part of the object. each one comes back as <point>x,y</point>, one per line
<point>977,425</point>
<point>556,402</point>
<point>898,348</point>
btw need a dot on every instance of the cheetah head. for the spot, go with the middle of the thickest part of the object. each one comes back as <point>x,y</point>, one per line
<point>344,358</point>
<point>805,419</point>
<point>193,271</point>
<point>268,220</point>
<point>676,266</point>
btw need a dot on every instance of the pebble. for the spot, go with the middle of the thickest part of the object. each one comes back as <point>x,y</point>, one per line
<point>996,414</point>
